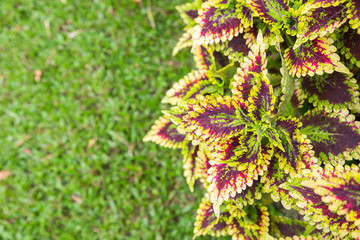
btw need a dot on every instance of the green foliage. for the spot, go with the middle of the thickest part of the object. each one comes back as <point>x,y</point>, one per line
<point>275,105</point>
<point>72,139</point>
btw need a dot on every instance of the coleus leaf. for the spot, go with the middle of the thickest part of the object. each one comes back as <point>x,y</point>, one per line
<point>202,162</point>
<point>335,137</point>
<point>298,153</point>
<point>320,22</point>
<point>313,4</point>
<point>261,100</point>
<point>196,82</point>
<point>307,189</point>
<point>237,163</point>
<point>274,138</point>
<point>331,91</point>
<point>217,24</point>
<point>340,189</point>
<point>190,153</point>
<point>350,49</point>
<point>207,222</point>
<point>203,57</point>
<point>353,11</point>
<point>185,41</point>
<point>235,49</point>
<point>255,62</point>
<point>284,227</point>
<point>316,56</point>
<point>210,118</point>
<point>188,12</point>
<point>245,14</point>
<point>164,133</point>
<point>252,226</point>
<point>273,12</point>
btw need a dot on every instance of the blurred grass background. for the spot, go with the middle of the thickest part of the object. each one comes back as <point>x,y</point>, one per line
<point>80,85</point>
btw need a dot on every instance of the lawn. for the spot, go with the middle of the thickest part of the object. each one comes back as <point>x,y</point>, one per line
<point>81,84</point>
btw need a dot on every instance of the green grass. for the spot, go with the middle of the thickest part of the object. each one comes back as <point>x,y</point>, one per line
<point>104,73</point>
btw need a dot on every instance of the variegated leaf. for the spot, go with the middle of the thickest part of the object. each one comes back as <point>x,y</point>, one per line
<point>272,12</point>
<point>339,188</point>
<point>274,138</point>
<point>284,227</point>
<point>203,164</point>
<point>188,12</point>
<point>298,153</point>
<point>320,22</point>
<point>217,24</point>
<point>261,100</point>
<point>189,164</point>
<point>236,48</point>
<point>206,220</point>
<point>335,137</point>
<point>237,163</point>
<point>211,118</point>
<point>253,226</point>
<point>203,57</point>
<point>331,91</point>
<point>350,49</point>
<point>185,41</point>
<point>255,63</point>
<point>196,82</point>
<point>313,4</point>
<point>245,14</point>
<point>316,56</point>
<point>221,228</point>
<point>318,211</point>
<point>164,133</point>
<point>353,11</point>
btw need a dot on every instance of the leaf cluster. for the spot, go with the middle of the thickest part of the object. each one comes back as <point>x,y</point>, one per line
<point>270,115</point>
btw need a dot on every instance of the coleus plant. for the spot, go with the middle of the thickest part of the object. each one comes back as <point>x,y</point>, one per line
<point>268,121</point>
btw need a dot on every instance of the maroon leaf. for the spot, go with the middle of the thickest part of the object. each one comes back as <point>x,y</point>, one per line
<point>315,192</point>
<point>320,22</point>
<point>237,163</point>
<point>188,12</point>
<point>271,11</point>
<point>203,58</point>
<point>331,91</point>
<point>256,62</point>
<point>312,57</point>
<point>211,118</point>
<point>196,82</point>
<point>335,137</point>
<point>206,220</point>
<point>298,153</point>
<point>218,24</point>
<point>236,48</point>
<point>164,133</point>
